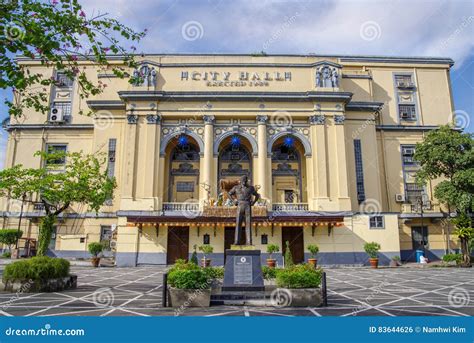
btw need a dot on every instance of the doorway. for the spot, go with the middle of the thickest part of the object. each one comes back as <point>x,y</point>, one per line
<point>419,237</point>
<point>178,244</point>
<point>294,235</point>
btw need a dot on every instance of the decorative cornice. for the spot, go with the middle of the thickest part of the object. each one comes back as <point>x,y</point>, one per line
<point>318,119</point>
<point>132,118</point>
<point>153,119</point>
<point>364,106</point>
<point>339,119</point>
<point>106,105</point>
<point>233,96</point>
<point>262,119</point>
<point>209,119</point>
<point>49,127</point>
<point>407,127</point>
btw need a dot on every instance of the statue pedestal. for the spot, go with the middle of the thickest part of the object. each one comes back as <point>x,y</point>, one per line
<point>243,269</point>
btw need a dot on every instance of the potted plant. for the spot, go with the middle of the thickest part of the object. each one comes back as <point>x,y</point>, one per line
<point>189,285</point>
<point>206,250</point>
<point>395,262</point>
<point>95,248</point>
<point>298,285</point>
<point>372,250</point>
<point>271,249</point>
<point>313,249</point>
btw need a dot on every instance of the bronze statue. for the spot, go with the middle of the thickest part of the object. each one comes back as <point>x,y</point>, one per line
<point>242,196</point>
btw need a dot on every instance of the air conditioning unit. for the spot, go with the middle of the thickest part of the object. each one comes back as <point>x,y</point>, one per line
<point>405,84</point>
<point>56,115</point>
<point>400,197</point>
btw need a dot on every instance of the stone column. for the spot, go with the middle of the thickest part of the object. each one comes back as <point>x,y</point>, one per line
<point>342,179</point>
<point>320,174</point>
<point>129,167</point>
<point>207,159</point>
<point>152,162</point>
<point>262,156</point>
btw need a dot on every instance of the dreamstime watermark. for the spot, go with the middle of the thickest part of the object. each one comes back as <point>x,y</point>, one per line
<point>281,297</point>
<point>196,293</point>
<point>461,119</point>
<point>464,23</point>
<point>277,34</point>
<point>280,119</point>
<point>459,297</point>
<point>190,208</point>
<point>192,30</point>
<point>103,297</point>
<point>103,120</point>
<point>370,31</point>
<point>372,295</point>
<point>369,121</point>
<point>13,208</point>
<point>23,289</point>
<point>371,206</point>
<point>44,331</point>
<point>14,31</point>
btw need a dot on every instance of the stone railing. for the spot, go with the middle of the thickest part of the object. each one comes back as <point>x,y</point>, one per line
<point>180,206</point>
<point>284,207</point>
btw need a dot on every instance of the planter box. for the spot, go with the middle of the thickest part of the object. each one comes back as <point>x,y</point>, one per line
<point>189,297</point>
<point>303,297</point>
<point>36,286</point>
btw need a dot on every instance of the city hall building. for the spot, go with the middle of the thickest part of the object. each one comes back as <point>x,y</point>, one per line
<point>328,141</point>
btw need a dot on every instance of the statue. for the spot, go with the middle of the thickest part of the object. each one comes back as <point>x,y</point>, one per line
<point>145,76</point>
<point>243,193</point>
<point>318,78</point>
<point>335,78</point>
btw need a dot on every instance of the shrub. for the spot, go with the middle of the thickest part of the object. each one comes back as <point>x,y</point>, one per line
<point>271,249</point>
<point>300,276</point>
<point>214,272</point>
<point>372,249</point>
<point>10,236</point>
<point>288,256</point>
<point>396,258</point>
<point>269,273</point>
<point>37,268</point>
<point>206,249</point>
<point>95,248</point>
<point>7,254</point>
<point>194,258</point>
<point>193,278</point>
<point>452,257</point>
<point>313,249</point>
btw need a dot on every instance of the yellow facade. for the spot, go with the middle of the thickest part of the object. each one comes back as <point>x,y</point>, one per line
<point>327,141</point>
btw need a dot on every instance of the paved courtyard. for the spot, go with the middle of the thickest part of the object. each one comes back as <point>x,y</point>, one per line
<point>357,291</point>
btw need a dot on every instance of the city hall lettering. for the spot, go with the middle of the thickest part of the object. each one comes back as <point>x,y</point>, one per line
<point>238,79</point>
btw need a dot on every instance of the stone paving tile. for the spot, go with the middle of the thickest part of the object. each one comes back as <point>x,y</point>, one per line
<point>357,291</point>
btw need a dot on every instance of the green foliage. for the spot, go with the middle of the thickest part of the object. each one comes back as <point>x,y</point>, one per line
<point>269,273</point>
<point>299,276</point>
<point>206,249</point>
<point>194,258</point>
<point>452,257</point>
<point>447,153</point>
<point>10,236</point>
<point>372,249</point>
<point>61,35</point>
<point>313,249</point>
<point>288,258</point>
<point>83,181</point>
<point>37,268</point>
<point>95,248</point>
<point>271,249</point>
<point>214,272</point>
<point>396,258</point>
<point>7,254</point>
<point>189,278</point>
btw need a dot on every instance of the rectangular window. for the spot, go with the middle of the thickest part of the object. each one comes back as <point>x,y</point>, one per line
<point>111,157</point>
<point>376,222</point>
<point>414,192</point>
<point>184,186</point>
<point>63,106</point>
<point>56,163</point>
<point>63,81</point>
<point>408,151</point>
<point>403,81</point>
<point>359,171</point>
<point>407,112</point>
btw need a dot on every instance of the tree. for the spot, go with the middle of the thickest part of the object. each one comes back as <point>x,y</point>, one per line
<point>57,33</point>
<point>9,237</point>
<point>82,181</point>
<point>447,153</point>
<point>288,256</point>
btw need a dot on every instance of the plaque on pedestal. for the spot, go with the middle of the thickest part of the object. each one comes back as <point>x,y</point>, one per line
<point>243,271</point>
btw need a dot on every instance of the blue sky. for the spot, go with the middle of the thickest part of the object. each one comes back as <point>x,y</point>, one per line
<point>377,27</point>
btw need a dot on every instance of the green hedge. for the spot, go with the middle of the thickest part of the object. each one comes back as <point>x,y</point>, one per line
<point>299,276</point>
<point>214,272</point>
<point>37,268</point>
<point>269,273</point>
<point>452,257</point>
<point>189,279</point>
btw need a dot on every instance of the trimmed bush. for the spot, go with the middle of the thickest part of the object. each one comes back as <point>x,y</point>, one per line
<point>313,249</point>
<point>299,276</point>
<point>452,257</point>
<point>10,236</point>
<point>288,256</point>
<point>194,257</point>
<point>194,278</point>
<point>95,248</point>
<point>372,249</point>
<point>214,272</point>
<point>37,268</point>
<point>271,249</point>
<point>7,254</point>
<point>269,273</point>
